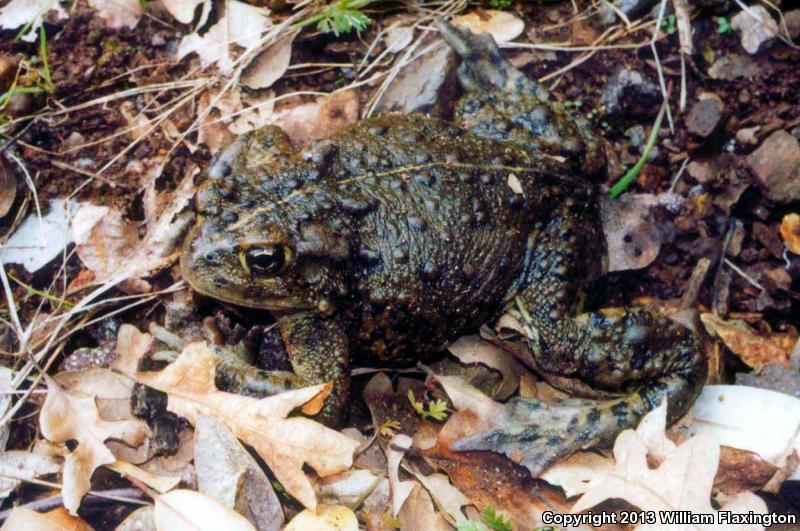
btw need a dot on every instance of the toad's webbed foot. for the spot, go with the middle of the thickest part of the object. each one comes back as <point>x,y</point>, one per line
<point>535,434</point>
<point>639,354</point>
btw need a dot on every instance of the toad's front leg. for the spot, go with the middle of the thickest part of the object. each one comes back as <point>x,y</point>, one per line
<point>319,352</point>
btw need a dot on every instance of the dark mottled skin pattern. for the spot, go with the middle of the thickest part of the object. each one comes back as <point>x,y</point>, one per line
<point>402,232</point>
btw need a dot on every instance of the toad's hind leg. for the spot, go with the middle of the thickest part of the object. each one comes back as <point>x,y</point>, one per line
<point>503,104</point>
<point>631,354</point>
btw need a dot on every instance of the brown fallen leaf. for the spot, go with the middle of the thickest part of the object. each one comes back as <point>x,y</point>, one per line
<point>184,10</point>
<point>790,232</point>
<point>418,512</point>
<point>740,470</point>
<point>139,520</point>
<point>445,496</point>
<point>326,518</point>
<point>23,519</point>
<point>307,122</point>
<point>285,444</point>
<point>753,349</point>
<point>270,65</point>
<point>348,488</point>
<point>66,416</point>
<point>257,111</point>
<point>502,25</point>
<point>188,510</point>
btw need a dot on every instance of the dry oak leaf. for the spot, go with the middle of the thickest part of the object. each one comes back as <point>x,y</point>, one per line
<point>755,350</point>
<point>69,416</point>
<point>188,510</point>
<point>285,444</point>
<point>682,482</point>
<point>24,519</point>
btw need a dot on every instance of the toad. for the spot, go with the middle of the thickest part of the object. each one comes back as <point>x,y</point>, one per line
<point>399,233</point>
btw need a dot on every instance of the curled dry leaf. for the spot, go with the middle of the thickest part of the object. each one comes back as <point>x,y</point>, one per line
<point>326,518</point>
<point>19,13</point>
<point>21,464</point>
<point>226,472</point>
<point>119,13</point>
<point>502,25</point>
<point>755,350</point>
<point>242,25</point>
<point>473,349</point>
<point>285,444</point>
<point>307,122</point>
<point>67,416</point>
<point>187,510</point>
<point>105,241</point>
<point>270,65</point>
<point>139,520</point>
<point>790,231</point>
<point>24,519</point>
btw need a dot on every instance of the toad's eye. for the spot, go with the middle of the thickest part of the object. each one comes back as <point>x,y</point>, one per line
<point>267,261</point>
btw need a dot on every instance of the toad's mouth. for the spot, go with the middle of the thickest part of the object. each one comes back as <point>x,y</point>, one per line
<point>237,295</point>
<point>280,305</point>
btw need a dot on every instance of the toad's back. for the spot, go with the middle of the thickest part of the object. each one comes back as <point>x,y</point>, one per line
<point>440,219</point>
